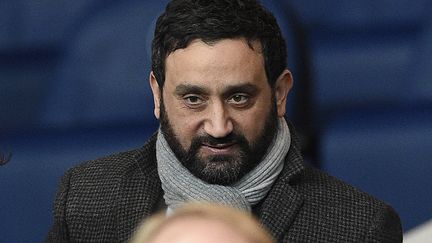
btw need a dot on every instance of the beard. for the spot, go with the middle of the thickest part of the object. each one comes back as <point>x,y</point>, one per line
<point>221,169</point>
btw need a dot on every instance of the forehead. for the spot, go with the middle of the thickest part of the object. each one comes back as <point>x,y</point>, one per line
<point>227,60</point>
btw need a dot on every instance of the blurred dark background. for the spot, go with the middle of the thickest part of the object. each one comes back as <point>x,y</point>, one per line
<point>74,87</point>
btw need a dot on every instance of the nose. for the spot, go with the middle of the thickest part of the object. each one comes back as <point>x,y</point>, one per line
<point>218,124</point>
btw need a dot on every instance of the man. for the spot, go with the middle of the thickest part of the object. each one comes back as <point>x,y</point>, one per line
<point>220,84</point>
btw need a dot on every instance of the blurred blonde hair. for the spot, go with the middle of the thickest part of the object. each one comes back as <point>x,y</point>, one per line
<point>240,221</point>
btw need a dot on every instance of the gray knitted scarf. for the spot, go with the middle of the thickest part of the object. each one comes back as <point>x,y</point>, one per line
<point>181,186</point>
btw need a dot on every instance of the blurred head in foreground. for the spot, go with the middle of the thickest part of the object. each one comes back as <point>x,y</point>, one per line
<point>202,223</point>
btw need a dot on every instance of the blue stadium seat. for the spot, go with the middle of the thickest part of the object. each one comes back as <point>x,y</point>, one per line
<point>9,12</point>
<point>361,15</point>
<point>23,85</point>
<point>385,152</point>
<point>28,183</point>
<point>372,97</point>
<point>362,51</point>
<point>55,17</point>
<point>44,129</point>
<point>102,79</point>
<point>30,48</point>
<point>420,88</point>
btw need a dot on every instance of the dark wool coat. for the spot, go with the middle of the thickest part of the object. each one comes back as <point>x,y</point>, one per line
<point>104,200</point>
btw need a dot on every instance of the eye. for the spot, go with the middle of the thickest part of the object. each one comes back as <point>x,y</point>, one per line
<point>239,99</point>
<point>193,101</point>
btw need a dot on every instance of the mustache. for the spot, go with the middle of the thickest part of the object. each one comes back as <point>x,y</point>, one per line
<point>232,138</point>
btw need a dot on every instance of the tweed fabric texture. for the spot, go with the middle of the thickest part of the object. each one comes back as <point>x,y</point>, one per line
<point>181,186</point>
<point>104,200</point>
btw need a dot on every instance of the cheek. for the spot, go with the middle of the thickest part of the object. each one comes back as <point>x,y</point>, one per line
<point>185,131</point>
<point>184,124</point>
<point>251,123</point>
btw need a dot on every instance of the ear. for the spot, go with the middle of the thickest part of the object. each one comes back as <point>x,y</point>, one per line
<point>156,94</point>
<point>283,85</point>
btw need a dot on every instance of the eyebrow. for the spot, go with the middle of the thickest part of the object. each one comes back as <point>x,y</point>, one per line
<point>183,89</point>
<point>241,88</point>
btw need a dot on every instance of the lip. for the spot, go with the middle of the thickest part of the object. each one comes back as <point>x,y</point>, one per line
<point>219,149</point>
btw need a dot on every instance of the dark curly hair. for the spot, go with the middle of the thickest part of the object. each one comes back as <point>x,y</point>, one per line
<point>210,21</point>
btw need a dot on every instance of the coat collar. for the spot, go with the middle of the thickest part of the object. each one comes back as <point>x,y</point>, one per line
<point>283,202</point>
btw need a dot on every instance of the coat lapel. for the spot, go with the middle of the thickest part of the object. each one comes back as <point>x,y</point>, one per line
<point>283,202</point>
<point>280,210</point>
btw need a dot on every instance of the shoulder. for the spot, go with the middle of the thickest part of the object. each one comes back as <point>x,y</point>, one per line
<point>345,210</point>
<point>94,194</point>
<point>313,180</point>
<point>116,165</point>
<point>316,185</point>
<point>103,178</point>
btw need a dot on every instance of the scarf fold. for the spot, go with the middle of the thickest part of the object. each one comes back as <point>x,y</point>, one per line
<point>180,186</point>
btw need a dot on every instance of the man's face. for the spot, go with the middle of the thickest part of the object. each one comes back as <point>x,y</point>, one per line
<point>217,110</point>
